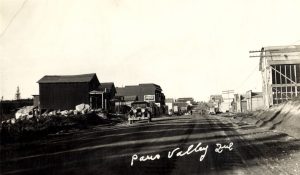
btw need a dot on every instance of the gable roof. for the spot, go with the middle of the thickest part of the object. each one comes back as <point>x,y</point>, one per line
<point>146,88</point>
<point>110,86</point>
<point>68,78</point>
<point>107,85</point>
<point>185,99</point>
<point>169,100</point>
<point>150,86</point>
<point>128,90</point>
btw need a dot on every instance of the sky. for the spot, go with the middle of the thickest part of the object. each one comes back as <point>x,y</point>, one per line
<point>191,48</point>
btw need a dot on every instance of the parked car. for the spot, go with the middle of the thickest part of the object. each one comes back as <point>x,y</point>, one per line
<point>212,111</point>
<point>140,110</point>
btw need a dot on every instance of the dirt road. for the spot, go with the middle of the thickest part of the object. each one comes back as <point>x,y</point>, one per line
<point>174,145</point>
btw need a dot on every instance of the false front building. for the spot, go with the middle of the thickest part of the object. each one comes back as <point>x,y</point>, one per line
<point>150,92</point>
<point>142,92</point>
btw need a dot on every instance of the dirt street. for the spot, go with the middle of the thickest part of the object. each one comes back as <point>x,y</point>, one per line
<point>169,145</point>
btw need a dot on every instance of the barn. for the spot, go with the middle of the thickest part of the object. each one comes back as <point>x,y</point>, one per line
<point>64,92</point>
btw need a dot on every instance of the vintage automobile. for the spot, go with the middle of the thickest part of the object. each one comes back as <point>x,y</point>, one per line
<point>212,111</point>
<point>140,110</point>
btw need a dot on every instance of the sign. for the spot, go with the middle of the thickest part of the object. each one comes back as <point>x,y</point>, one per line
<point>149,98</point>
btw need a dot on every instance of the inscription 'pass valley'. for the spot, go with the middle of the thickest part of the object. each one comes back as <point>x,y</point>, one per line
<point>178,152</point>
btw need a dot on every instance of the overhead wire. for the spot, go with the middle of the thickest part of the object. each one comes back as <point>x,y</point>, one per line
<point>247,78</point>
<point>258,65</point>
<point>13,18</point>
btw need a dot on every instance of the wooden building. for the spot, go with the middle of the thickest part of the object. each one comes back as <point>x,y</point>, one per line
<point>280,70</point>
<point>143,92</point>
<point>149,92</point>
<point>67,91</point>
<point>109,92</point>
<point>251,101</point>
<point>36,101</point>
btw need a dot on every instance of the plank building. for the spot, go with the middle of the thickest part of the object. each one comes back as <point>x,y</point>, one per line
<point>280,69</point>
<point>149,92</point>
<point>67,91</point>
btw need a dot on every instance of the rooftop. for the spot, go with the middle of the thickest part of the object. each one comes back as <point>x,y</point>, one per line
<point>107,85</point>
<point>137,89</point>
<point>282,49</point>
<point>67,78</point>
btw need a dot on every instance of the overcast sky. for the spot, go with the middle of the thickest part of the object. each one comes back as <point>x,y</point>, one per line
<point>189,47</point>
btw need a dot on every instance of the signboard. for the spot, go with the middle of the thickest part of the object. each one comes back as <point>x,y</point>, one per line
<point>149,98</point>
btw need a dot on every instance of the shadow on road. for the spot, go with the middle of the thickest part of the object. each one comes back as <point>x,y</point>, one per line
<point>109,150</point>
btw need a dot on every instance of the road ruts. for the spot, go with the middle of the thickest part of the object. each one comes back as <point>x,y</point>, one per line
<point>253,149</point>
<point>109,149</point>
<point>256,153</point>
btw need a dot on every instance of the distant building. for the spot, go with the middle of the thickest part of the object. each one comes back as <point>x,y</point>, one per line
<point>188,100</point>
<point>216,98</point>
<point>254,101</point>
<point>67,91</point>
<point>280,70</point>
<point>215,102</point>
<point>142,92</point>
<point>128,94</point>
<point>150,92</point>
<point>227,104</point>
<point>240,103</point>
<point>251,101</point>
<point>183,107</point>
<point>170,104</point>
<point>36,101</point>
